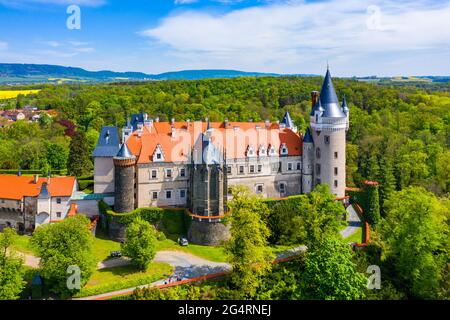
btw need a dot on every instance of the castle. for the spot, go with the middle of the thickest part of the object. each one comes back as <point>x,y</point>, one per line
<point>192,164</point>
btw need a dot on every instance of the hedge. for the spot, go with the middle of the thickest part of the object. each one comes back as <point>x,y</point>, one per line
<point>84,184</point>
<point>174,220</point>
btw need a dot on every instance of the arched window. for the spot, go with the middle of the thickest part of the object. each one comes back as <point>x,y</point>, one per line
<point>318,153</point>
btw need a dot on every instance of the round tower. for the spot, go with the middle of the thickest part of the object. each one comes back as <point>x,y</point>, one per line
<point>124,172</point>
<point>329,123</point>
<point>307,162</point>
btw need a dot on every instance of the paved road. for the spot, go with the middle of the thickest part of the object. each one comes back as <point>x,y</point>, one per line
<point>29,260</point>
<point>186,266</point>
<point>354,222</point>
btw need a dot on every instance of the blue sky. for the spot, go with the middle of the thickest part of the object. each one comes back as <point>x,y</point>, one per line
<point>357,37</point>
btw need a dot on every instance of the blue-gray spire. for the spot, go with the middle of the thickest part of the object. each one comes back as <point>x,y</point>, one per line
<point>125,153</point>
<point>345,108</point>
<point>44,194</point>
<point>287,120</point>
<point>308,137</point>
<point>329,99</point>
<point>317,107</point>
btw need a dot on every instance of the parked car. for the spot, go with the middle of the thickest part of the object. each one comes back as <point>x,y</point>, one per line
<point>182,241</point>
<point>115,254</point>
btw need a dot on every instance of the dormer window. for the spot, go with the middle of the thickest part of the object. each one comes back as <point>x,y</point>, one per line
<point>250,152</point>
<point>284,150</point>
<point>158,155</point>
<point>272,151</point>
<point>262,151</point>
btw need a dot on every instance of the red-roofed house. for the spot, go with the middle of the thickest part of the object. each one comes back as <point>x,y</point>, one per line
<point>29,201</point>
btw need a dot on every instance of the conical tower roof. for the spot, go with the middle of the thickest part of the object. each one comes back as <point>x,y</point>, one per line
<point>329,99</point>
<point>345,108</point>
<point>308,137</point>
<point>124,153</point>
<point>287,120</point>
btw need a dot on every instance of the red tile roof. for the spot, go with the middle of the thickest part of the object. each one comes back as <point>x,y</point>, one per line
<point>235,136</point>
<point>14,187</point>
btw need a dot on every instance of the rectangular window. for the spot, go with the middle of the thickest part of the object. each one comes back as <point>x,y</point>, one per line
<point>58,200</point>
<point>154,174</point>
<point>326,139</point>
<point>158,156</point>
<point>241,169</point>
<point>299,166</point>
<point>58,214</point>
<point>155,195</point>
<point>182,172</point>
<point>252,169</point>
<point>3,201</point>
<point>169,173</point>
<point>318,168</point>
<point>282,188</point>
<point>290,166</point>
<point>168,194</point>
<point>259,188</point>
<point>182,193</point>
<point>335,155</point>
<point>229,169</point>
<point>335,171</point>
<point>318,181</point>
<point>259,168</point>
<point>335,183</point>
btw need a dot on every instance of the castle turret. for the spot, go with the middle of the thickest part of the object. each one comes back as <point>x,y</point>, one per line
<point>288,123</point>
<point>307,162</point>
<point>124,172</point>
<point>329,122</point>
<point>208,182</point>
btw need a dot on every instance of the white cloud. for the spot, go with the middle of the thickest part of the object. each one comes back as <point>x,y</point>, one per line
<point>293,34</point>
<point>185,1</point>
<point>3,45</point>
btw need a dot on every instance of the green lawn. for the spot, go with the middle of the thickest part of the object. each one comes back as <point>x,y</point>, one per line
<point>215,254</point>
<point>22,244</point>
<point>356,237</point>
<point>103,247</point>
<point>111,279</point>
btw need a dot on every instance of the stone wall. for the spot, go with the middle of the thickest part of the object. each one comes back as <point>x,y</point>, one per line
<point>208,233</point>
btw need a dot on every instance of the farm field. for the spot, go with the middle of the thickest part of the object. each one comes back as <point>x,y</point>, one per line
<point>11,94</point>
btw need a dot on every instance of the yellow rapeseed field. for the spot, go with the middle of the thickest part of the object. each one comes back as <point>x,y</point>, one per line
<point>10,94</point>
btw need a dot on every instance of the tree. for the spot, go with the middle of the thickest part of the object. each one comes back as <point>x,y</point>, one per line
<point>140,243</point>
<point>247,248</point>
<point>62,245</point>
<point>11,268</point>
<point>416,236</point>
<point>79,163</point>
<point>372,203</point>
<point>306,219</point>
<point>330,274</point>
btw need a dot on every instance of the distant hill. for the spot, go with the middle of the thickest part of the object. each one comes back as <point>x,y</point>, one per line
<point>12,73</point>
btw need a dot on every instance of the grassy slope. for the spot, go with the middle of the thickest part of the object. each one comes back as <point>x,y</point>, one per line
<point>111,279</point>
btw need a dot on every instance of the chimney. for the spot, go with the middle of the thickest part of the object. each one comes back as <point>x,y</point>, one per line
<point>314,97</point>
<point>172,121</point>
<point>145,116</point>
<point>36,178</point>
<point>267,123</point>
<point>49,175</point>
<point>174,132</point>
<point>226,122</point>
<point>157,119</point>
